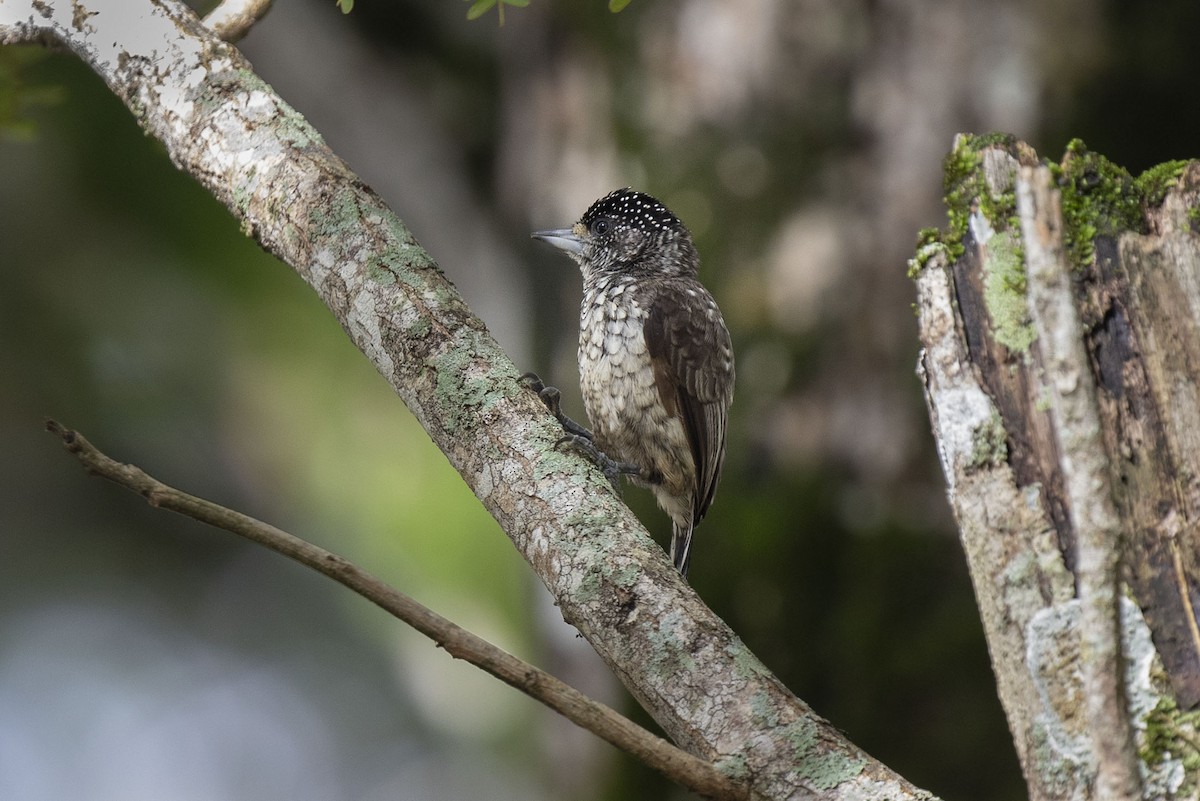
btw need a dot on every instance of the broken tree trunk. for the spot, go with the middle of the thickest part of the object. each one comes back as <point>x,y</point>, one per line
<point>1060,324</point>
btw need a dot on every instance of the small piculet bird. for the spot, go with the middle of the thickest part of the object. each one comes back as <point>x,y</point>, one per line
<point>655,358</point>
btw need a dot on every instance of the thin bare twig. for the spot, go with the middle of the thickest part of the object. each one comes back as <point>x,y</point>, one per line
<point>233,19</point>
<point>1075,411</point>
<point>690,771</point>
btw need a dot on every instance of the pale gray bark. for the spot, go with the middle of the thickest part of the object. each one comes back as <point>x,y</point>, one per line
<point>223,125</point>
<point>1062,431</point>
<point>1075,414</point>
<point>233,19</point>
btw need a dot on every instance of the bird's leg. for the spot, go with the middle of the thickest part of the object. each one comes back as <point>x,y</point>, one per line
<point>553,400</point>
<point>578,437</point>
<point>612,469</point>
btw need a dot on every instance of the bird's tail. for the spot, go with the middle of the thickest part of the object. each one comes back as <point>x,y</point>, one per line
<point>681,545</point>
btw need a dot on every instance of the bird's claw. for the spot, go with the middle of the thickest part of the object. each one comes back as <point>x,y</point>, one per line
<point>578,437</point>
<point>531,381</point>
<point>612,469</point>
<point>553,400</point>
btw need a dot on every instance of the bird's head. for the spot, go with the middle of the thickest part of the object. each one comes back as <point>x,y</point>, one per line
<point>630,232</point>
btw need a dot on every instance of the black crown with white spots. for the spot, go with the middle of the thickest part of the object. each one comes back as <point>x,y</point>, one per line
<point>631,209</point>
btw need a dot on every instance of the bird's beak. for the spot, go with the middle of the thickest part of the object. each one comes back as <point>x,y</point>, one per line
<point>564,239</point>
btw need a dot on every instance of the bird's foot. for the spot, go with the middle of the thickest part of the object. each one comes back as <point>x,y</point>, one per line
<point>578,437</point>
<point>553,400</point>
<point>612,469</point>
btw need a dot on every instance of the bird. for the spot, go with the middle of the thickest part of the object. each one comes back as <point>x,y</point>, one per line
<point>656,365</point>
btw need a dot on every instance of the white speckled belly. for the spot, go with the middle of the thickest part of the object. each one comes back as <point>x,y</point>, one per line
<point>622,401</point>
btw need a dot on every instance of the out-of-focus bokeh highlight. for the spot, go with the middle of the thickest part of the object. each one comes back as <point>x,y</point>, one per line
<point>143,656</point>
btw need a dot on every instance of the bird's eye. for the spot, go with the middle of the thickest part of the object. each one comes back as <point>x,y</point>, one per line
<point>601,226</point>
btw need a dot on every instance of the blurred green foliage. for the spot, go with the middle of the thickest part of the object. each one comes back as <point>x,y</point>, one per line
<point>17,96</point>
<point>481,7</point>
<point>133,308</point>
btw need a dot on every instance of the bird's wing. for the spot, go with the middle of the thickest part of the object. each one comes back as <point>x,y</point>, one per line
<point>692,355</point>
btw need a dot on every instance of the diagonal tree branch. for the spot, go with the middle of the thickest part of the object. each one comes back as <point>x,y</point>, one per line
<point>603,721</point>
<point>222,124</point>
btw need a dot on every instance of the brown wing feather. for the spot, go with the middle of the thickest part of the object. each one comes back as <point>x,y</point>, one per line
<point>693,365</point>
